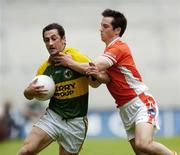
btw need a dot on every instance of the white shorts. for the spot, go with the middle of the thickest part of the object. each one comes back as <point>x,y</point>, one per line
<point>141,109</point>
<point>69,133</point>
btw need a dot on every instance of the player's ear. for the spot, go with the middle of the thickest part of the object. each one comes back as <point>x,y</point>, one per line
<point>117,31</point>
<point>64,39</point>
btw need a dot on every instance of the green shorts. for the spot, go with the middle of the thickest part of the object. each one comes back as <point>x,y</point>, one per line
<point>69,133</point>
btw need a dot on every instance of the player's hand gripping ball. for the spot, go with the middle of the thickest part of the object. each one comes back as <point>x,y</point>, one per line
<point>48,84</point>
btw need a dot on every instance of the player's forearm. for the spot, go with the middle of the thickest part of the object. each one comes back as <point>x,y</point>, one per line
<point>79,67</point>
<point>102,65</point>
<point>102,77</point>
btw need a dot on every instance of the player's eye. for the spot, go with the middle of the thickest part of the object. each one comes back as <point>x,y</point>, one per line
<point>106,26</point>
<point>46,40</point>
<point>54,38</point>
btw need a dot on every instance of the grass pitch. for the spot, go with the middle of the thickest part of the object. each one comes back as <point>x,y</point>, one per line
<point>91,147</point>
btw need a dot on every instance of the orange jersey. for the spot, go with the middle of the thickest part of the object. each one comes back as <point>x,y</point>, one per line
<point>126,82</point>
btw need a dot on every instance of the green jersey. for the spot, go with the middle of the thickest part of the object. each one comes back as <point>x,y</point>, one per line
<point>70,99</point>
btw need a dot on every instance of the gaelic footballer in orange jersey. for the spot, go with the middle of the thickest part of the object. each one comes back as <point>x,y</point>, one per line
<point>126,82</point>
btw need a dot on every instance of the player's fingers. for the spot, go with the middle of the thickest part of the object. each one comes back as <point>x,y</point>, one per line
<point>91,64</point>
<point>91,69</point>
<point>34,81</point>
<point>58,64</point>
<point>39,86</point>
<point>43,92</point>
<point>61,54</point>
<point>41,95</point>
<point>69,55</point>
<point>91,73</point>
<point>54,53</point>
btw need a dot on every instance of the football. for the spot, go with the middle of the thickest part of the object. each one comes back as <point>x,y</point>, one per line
<point>48,84</point>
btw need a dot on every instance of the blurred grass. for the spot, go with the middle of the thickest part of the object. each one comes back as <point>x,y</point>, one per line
<point>91,146</point>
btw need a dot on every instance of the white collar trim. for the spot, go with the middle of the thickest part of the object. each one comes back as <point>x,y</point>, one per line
<point>113,41</point>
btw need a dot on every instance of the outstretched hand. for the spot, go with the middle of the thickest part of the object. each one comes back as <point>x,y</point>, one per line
<point>92,70</point>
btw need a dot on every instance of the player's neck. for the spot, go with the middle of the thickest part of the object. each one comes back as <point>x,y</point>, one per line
<point>111,41</point>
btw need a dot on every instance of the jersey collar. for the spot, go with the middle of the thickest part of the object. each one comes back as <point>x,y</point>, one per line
<point>113,41</point>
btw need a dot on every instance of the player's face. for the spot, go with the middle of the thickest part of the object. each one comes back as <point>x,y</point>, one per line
<point>107,32</point>
<point>54,42</point>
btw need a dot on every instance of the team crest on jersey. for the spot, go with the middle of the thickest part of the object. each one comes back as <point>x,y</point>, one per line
<point>152,112</point>
<point>68,73</point>
<point>151,109</point>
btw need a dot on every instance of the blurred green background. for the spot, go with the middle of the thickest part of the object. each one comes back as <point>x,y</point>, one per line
<point>92,147</point>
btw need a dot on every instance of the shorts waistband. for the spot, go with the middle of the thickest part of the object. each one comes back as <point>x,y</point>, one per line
<point>143,96</point>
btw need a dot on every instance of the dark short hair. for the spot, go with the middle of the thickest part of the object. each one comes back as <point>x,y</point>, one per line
<point>119,19</point>
<point>56,26</point>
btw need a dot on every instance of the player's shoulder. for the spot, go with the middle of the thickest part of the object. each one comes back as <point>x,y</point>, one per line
<point>76,54</point>
<point>121,46</point>
<point>45,62</point>
<point>71,50</point>
<point>42,67</point>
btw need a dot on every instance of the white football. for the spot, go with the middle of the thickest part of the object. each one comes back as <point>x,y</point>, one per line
<point>48,84</point>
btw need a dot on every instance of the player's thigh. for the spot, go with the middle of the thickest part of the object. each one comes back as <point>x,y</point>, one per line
<point>62,151</point>
<point>143,133</point>
<point>37,140</point>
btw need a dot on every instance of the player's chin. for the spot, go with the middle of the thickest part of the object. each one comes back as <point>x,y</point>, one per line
<point>53,52</point>
<point>102,38</point>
